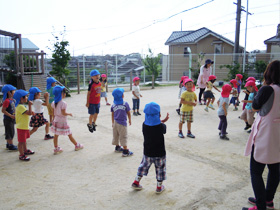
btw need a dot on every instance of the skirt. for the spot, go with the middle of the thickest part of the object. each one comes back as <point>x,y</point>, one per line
<point>61,128</point>
<point>208,94</point>
<point>37,120</point>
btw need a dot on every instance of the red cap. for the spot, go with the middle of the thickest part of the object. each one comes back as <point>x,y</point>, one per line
<point>226,90</point>
<point>251,78</point>
<point>103,75</point>
<point>183,78</point>
<point>187,80</point>
<point>135,79</point>
<point>251,83</point>
<point>211,77</point>
<point>239,76</point>
<point>234,82</point>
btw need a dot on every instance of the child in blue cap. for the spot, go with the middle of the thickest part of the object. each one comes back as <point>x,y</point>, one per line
<point>93,99</point>
<point>154,149</point>
<point>22,122</point>
<point>50,85</point>
<point>120,111</point>
<point>8,109</point>
<point>38,119</point>
<point>60,125</point>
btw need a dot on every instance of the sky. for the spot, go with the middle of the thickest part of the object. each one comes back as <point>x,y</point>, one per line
<point>133,26</point>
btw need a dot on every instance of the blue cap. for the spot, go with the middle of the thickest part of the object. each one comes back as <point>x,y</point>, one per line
<point>118,93</point>
<point>57,90</point>
<point>152,112</point>
<point>50,80</point>
<point>32,92</point>
<point>6,89</point>
<point>18,94</point>
<point>94,72</point>
<point>209,61</point>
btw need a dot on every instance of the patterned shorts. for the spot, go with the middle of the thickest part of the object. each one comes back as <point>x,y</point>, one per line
<point>186,116</point>
<point>37,120</point>
<point>61,128</point>
<point>160,166</point>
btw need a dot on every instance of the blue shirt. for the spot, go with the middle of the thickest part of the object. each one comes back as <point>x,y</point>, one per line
<point>120,112</point>
<point>250,98</point>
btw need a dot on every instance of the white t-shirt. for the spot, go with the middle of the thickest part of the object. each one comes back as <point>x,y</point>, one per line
<point>220,109</point>
<point>37,104</point>
<point>136,90</point>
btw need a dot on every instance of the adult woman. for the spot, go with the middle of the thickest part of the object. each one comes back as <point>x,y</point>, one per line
<point>264,142</point>
<point>204,74</point>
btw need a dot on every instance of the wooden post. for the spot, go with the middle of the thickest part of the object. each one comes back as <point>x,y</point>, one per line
<point>153,81</point>
<point>16,55</point>
<point>37,62</point>
<point>106,71</point>
<point>131,80</point>
<point>42,62</point>
<point>78,77</point>
<point>20,55</point>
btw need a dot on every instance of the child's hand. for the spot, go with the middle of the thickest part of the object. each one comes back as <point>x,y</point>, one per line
<point>244,91</point>
<point>46,96</point>
<point>30,103</point>
<point>87,105</point>
<point>194,103</point>
<point>129,122</point>
<point>70,114</point>
<point>166,118</point>
<point>32,113</point>
<point>243,101</point>
<point>140,95</point>
<point>13,117</point>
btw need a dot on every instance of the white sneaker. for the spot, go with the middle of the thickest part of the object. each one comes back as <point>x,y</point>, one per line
<point>206,109</point>
<point>79,146</point>
<point>57,151</point>
<point>211,107</point>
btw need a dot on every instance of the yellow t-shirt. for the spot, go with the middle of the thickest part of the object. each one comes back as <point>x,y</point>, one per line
<point>22,119</point>
<point>103,88</point>
<point>188,96</point>
<point>209,86</point>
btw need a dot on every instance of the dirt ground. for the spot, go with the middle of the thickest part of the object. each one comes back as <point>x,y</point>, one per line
<point>202,173</point>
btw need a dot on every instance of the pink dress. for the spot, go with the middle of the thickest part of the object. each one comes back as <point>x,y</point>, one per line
<point>265,134</point>
<point>204,75</point>
<point>59,124</point>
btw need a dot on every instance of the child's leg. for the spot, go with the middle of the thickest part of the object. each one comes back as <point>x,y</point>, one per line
<point>180,126</point>
<point>160,166</point>
<point>134,104</point>
<point>137,105</point>
<point>91,118</point>
<point>72,139</point>
<point>47,128</point>
<point>55,141</point>
<point>143,169</point>
<point>208,101</point>
<point>34,129</point>
<point>212,100</point>
<point>189,124</point>
<point>106,100</point>
<point>21,148</point>
<point>94,117</point>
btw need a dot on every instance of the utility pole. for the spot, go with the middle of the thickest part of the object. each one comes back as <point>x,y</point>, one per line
<point>237,31</point>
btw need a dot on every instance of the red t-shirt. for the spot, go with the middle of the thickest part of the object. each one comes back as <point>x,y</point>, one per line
<point>95,91</point>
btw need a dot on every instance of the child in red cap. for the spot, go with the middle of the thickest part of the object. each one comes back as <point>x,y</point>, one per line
<point>103,81</point>
<point>234,93</point>
<point>208,94</point>
<point>136,96</point>
<point>238,78</point>
<point>223,104</point>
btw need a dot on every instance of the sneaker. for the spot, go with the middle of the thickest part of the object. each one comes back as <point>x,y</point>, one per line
<point>206,109</point>
<point>247,127</point>
<point>178,111</point>
<point>108,104</point>
<point>118,149</point>
<point>79,147</point>
<point>7,146</point>
<point>12,147</point>
<point>252,208</point>
<point>204,102</point>
<point>127,153</point>
<point>90,128</point>
<point>269,204</point>
<point>29,152</point>
<point>160,190</point>
<point>249,131</point>
<point>235,109</point>
<point>135,114</point>
<point>48,136</point>
<point>57,150</point>
<point>24,158</point>
<point>200,103</point>
<point>94,126</point>
<point>138,113</point>
<point>136,186</point>
<point>181,135</point>
<point>190,135</point>
<point>211,106</point>
<point>224,137</point>
<point>221,133</point>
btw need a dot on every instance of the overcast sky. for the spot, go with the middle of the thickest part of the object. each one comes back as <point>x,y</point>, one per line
<point>128,26</point>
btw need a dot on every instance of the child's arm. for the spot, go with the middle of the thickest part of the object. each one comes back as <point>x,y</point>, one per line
<point>64,113</point>
<point>166,118</point>
<point>129,117</point>
<point>188,102</point>
<point>224,108</point>
<point>218,102</point>
<point>4,111</point>
<point>46,96</point>
<point>246,101</point>
<point>216,88</point>
<point>88,95</point>
<point>113,119</point>
<point>29,111</point>
<point>133,92</point>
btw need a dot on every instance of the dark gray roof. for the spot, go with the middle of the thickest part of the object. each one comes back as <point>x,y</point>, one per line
<point>272,40</point>
<point>183,37</point>
<point>7,43</point>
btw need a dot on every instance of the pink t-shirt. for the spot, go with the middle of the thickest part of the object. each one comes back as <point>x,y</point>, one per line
<point>58,117</point>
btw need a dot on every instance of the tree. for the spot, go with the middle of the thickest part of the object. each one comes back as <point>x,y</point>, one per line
<point>260,67</point>
<point>196,70</point>
<point>60,58</point>
<point>235,69</point>
<point>152,64</point>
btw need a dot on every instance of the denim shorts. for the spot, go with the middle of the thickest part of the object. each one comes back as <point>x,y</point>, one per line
<point>104,94</point>
<point>93,108</point>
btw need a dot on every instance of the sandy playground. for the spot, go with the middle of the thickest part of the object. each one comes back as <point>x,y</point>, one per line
<point>202,173</point>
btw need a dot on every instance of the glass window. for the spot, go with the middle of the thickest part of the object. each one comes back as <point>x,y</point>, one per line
<point>218,48</point>
<point>186,53</point>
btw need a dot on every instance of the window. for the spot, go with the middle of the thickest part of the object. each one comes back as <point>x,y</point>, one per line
<point>218,49</point>
<point>186,52</point>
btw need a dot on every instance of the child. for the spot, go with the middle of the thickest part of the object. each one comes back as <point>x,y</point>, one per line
<point>248,114</point>
<point>50,85</point>
<point>189,100</point>
<point>60,125</point>
<point>246,92</point>
<point>154,149</point>
<point>238,78</point>
<point>135,96</point>
<point>8,109</point>
<point>120,111</point>
<point>208,94</point>
<point>234,93</point>
<point>93,99</point>
<point>103,81</point>
<point>38,119</point>
<point>182,89</point>
<point>22,121</point>
<point>223,104</point>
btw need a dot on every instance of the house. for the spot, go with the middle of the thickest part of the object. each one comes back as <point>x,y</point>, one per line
<point>273,46</point>
<point>202,41</point>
